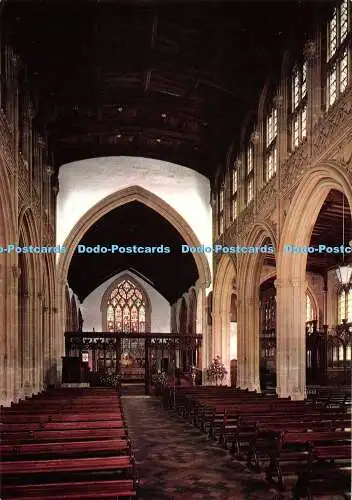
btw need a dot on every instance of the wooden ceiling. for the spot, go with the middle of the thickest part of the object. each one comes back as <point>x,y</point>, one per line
<point>173,82</point>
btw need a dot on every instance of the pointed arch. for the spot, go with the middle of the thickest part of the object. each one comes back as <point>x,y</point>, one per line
<point>118,301</point>
<point>183,313</point>
<point>223,288</point>
<point>192,312</point>
<point>115,200</point>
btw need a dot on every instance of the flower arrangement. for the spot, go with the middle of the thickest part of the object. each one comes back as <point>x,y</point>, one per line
<point>109,379</point>
<point>216,371</point>
<point>159,378</point>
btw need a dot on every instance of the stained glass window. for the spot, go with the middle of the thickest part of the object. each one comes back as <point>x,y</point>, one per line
<point>126,309</point>
<point>310,315</point>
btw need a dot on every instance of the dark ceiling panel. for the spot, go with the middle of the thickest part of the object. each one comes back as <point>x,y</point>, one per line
<point>202,64</point>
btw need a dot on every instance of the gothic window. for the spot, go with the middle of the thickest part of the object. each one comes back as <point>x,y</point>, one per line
<point>270,165</point>
<point>310,313</point>
<point>298,115</point>
<point>234,188</point>
<point>249,174</point>
<point>338,51</point>
<point>125,308</point>
<point>345,305</point>
<point>221,210</point>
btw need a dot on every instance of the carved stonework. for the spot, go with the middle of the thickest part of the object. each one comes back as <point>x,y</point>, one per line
<point>245,221</point>
<point>332,127</point>
<point>16,272</point>
<point>266,202</point>
<point>230,234</point>
<point>310,49</point>
<point>294,166</point>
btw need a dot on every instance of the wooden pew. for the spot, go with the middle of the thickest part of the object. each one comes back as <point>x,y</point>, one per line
<point>63,435</point>
<point>328,470</point>
<point>100,424</point>
<point>57,449</point>
<point>42,436</point>
<point>107,490</point>
<point>61,417</point>
<point>289,452</point>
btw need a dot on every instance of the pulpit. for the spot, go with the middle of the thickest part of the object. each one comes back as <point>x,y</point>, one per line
<point>74,370</point>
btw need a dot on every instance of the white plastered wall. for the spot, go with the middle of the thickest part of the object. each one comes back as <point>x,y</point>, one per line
<point>85,183</point>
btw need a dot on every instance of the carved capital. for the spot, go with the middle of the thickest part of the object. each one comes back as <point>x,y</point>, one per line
<point>299,283</point>
<point>16,272</point>
<point>50,170</point>
<point>310,49</point>
<point>278,100</point>
<point>255,137</point>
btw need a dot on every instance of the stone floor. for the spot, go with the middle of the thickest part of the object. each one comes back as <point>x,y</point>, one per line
<point>177,461</point>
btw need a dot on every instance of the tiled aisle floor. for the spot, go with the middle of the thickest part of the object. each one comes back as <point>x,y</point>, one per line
<point>177,461</point>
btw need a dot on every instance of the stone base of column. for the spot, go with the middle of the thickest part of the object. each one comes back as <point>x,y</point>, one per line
<point>5,400</point>
<point>27,390</point>
<point>251,387</point>
<point>294,394</point>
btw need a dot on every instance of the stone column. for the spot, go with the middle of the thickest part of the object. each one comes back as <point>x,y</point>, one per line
<point>251,342</point>
<point>240,344</point>
<point>3,340</point>
<point>207,336</point>
<point>13,370</point>
<point>248,344</point>
<point>28,347</point>
<point>46,346</point>
<point>37,297</point>
<point>290,338</point>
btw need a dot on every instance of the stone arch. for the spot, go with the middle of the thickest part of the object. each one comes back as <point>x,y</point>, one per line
<point>9,369</point>
<point>291,282</point>
<point>249,271</point>
<point>115,200</point>
<point>112,286</point>
<point>29,326</point>
<point>223,288</point>
<point>68,315</point>
<point>305,206</point>
<point>74,314</point>
<point>183,314</point>
<point>122,197</point>
<point>314,302</point>
<point>192,311</point>
<point>200,312</point>
<point>47,324</point>
<point>173,318</point>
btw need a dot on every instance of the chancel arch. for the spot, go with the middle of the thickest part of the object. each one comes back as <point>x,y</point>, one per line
<point>122,197</point>
<point>306,204</point>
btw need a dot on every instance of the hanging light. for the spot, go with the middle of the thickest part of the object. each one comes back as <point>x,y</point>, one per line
<point>344,274</point>
<point>343,271</point>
